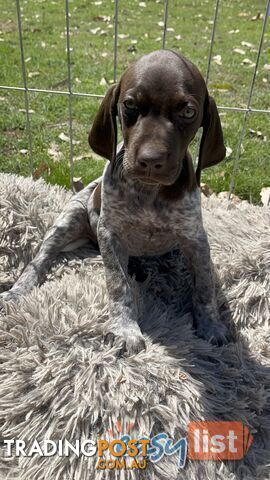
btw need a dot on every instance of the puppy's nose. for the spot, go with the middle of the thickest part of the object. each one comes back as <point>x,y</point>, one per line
<point>149,159</point>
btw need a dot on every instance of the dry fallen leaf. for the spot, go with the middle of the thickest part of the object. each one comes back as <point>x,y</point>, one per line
<point>217,59</point>
<point>265,196</point>
<point>23,151</point>
<point>267,67</point>
<point>132,49</point>
<point>102,18</point>
<point>103,82</point>
<point>54,152</point>
<point>81,157</point>
<point>239,50</point>
<point>248,62</point>
<point>24,111</point>
<point>178,37</point>
<point>94,31</point>
<point>42,168</point>
<point>233,198</point>
<point>66,139</point>
<point>221,174</point>
<point>257,17</point>
<point>123,36</point>
<point>257,133</point>
<point>33,74</point>
<point>234,31</point>
<point>206,190</point>
<point>247,44</point>
<point>228,152</point>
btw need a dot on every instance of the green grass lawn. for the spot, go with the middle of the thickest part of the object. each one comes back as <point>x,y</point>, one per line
<point>140,31</point>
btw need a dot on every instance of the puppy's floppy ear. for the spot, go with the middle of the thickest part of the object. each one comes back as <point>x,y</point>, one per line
<point>212,148</point>
<point>103,134</point>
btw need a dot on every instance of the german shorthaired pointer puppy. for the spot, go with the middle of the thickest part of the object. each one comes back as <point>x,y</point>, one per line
<point>148,200</point>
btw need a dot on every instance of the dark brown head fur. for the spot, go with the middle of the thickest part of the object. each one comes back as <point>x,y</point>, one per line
<point>161,101</point>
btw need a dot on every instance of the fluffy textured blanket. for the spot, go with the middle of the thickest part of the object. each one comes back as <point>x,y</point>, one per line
<point>59,380</point>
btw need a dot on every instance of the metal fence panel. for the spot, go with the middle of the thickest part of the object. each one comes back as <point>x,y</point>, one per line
<point>71,93</point>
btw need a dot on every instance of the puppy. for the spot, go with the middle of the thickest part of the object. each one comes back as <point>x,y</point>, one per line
<point>148,200</point>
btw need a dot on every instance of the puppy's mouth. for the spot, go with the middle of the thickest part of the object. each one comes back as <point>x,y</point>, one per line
<point>152,177</point>
<point>160,180</point>
<point>148,181</point>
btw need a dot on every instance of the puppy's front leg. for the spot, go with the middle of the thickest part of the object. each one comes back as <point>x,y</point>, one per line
<point>123,305</point>
<point>72,225</point>
<point>197,252</point>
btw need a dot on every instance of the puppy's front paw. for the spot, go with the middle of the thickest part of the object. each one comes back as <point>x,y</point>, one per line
<point>208,327</point>
<point>129,339</point>
<point>214,332</point>
<point>6,297</point>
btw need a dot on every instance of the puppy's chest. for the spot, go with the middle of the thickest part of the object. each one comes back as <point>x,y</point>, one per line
<point>146,227</point>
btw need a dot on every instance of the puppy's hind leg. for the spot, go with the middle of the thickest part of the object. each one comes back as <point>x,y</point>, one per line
<point>71,229</point>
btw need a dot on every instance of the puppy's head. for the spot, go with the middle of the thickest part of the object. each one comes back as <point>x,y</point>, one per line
<point>161,101</point>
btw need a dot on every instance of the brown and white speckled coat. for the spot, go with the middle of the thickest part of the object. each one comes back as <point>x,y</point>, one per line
<point>148,200</point>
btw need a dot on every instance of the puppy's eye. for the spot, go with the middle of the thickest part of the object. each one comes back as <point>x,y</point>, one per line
<point>130,105</point>
<point>188,112</point>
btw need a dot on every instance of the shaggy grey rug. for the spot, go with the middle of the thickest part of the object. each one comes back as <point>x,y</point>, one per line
<point>59,380</point>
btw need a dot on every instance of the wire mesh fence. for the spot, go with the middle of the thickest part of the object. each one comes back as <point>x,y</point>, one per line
<point>243,110</point>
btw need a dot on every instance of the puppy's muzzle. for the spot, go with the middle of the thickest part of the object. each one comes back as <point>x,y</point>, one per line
<point>149,160</point>
<point>152,165</point>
